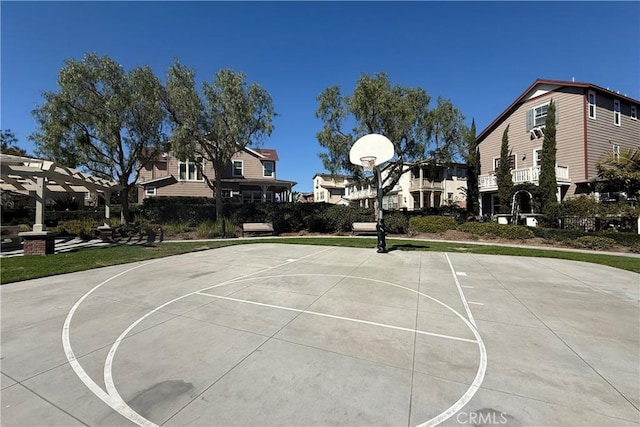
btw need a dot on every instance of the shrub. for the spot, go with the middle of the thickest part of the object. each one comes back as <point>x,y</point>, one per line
<point>492,229</point>
<point>432,224</point>
<point>83,228</point>
<point>591,242</point>
<point>396,222</point>
<point>189,210</point>
<point>337,218</point>
<point>213,229</point>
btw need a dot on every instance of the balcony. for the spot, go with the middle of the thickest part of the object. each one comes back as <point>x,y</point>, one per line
<point>417,184</point>
<point>366,193</point>
<point>519,176</point>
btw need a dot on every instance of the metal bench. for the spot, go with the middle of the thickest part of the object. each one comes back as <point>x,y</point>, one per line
<point>363,228</point>
<point>257,227</point>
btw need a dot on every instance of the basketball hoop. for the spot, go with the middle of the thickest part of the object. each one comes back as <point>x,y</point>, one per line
<point>368,163</point>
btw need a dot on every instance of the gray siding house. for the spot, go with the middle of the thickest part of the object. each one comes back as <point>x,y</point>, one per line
<point>591,121</point>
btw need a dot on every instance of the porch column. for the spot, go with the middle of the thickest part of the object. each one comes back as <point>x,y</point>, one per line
<point>421,175</point>
<point>431,201</point>
<point>421,193</point>
<point>264,193</point>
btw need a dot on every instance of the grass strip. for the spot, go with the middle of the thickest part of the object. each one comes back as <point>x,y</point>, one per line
<point>31,267</point>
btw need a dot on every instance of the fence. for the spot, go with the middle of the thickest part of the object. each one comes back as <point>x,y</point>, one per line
<point>597,223</point>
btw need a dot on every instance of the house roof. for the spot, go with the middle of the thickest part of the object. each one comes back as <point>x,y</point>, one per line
<point>268,153</point>
<point>328,175</point>
<point>538,82</point>
<point>156,180</point>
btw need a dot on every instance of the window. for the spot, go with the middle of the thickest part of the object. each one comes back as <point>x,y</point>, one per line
<point>449,198</point>
<point>150,191</point>
<point>537,157</point>
<point>390,202</point>
<point>256,196</point>
<point>616,112</point>
<point>634,113</point>
<point>188,171</point>
<point>616,151</point>
<point>540,115</point>
<point>268,168</point>
<point>592,104</point>
<point>227,193</point>
<point>512,162</point>
<point>238,168</point>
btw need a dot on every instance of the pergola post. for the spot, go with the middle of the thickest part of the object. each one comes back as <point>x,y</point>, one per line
<point>105,231</point>
<point>41,191</point>
<point>107,205</point>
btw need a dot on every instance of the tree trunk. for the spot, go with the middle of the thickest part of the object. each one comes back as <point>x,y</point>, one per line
<point>124,202</point>
<point>218,195</point>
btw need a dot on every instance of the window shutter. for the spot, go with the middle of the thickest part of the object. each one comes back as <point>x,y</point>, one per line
<point>529,120</point>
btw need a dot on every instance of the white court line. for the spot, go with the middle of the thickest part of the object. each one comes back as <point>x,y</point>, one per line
<point>123,410</point>
<point>315,313</point>
<point>108,364</point>
<point>482,368</point>
<point>464,300</point>
<point>467,286</point>
<point>461,273</point>
<point>476,303</point>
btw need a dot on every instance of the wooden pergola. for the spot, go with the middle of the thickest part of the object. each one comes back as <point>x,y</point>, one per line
<point>38,178</point>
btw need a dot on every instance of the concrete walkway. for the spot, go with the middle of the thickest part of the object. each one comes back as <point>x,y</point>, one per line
<point>274,334</point>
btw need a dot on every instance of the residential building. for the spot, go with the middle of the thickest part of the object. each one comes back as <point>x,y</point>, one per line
<point>591,121</point>
<point>330,188</point>
<point>249,177</point>
<point>423,185</point>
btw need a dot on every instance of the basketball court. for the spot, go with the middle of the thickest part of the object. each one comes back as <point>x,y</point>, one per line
<point>271,334</point>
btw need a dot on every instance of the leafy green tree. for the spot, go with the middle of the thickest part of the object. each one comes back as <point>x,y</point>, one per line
<point>547,180</point>
<point>473,168</point>
<point>8,144</point>
<point>101,119</point>
<point>400,113</point>
<point>229,116</point>
<point>503,174</point>
<point>621,172</point>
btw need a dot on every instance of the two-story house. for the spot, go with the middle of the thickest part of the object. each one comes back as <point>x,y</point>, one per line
<point>249,177</point>
<point>329,188</point>
<point>422,185</point>
<point>591,121</point>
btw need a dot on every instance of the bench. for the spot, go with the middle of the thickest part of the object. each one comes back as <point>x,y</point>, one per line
<point>10,238</point>
<point>257,227</point>
<point>364,228</point>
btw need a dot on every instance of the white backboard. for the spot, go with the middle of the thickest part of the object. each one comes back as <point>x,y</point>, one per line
<point>376,145</point>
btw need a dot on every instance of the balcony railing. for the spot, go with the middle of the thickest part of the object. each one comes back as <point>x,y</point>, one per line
<point>361,194</point>
<point>424,184</point>
<point>519,176</point>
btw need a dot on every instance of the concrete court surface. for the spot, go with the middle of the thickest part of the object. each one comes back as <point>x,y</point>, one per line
<point>270,334</point>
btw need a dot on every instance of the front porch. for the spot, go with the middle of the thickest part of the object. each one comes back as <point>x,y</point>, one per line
<point>257,191</point>
<point>489,183</point>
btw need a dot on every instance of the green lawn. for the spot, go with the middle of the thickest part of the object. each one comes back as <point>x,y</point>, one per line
<point>31,267</point>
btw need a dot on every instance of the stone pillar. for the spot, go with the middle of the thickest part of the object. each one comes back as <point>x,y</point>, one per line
<point>38,243</point>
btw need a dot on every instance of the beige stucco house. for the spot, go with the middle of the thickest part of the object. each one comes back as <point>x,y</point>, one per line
<point>422,185</point>
<point>251,176</point>
<point>591,121</point>
<point>329,188</point>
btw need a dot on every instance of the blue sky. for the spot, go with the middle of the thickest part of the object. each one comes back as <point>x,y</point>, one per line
<point>481,55</point>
